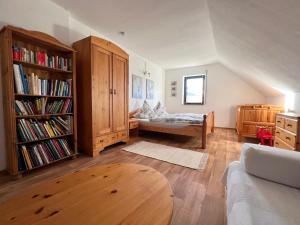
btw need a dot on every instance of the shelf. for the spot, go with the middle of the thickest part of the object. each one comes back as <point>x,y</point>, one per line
<point>55,161</point>
<point>44,139</point>
<point>35,41</point>
<point>43,115</point>
<point>37,66</point>
<point>41,96</point>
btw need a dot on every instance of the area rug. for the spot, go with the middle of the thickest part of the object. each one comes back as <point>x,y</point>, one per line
<point>178,156</point>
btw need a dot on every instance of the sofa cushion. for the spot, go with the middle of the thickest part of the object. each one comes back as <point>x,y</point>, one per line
<point>277,165</point>
<point>255,201</point>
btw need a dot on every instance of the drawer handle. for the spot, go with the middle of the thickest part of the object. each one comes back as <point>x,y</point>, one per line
<point>287,138</point>
<point>277,132</point>
<point>289,125</point>
<point>276,143</point>
<point>101,141</point>
<point>278,121</point>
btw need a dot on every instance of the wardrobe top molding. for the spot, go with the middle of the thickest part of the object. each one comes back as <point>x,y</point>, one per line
<point>106,45</point>
<point>42,38</point>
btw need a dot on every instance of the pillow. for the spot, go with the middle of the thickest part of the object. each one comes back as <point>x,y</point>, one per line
<point>157,107</point>
<point>159,110</point>
<point>146,111</point>
<point>273,164</point>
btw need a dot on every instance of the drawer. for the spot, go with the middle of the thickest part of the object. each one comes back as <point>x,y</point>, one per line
<point>289,138</point>
<point>112,138</point>
<point>279,121</point>
<point>105,140</point>
<point>279,133</point>
<point>133,125</point>
<point>100,142</point>
<point>122,135</point>
<point>291,125</point>
<point>278,143</point>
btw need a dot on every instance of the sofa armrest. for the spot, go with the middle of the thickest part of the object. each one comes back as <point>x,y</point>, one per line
<point>273,164</point>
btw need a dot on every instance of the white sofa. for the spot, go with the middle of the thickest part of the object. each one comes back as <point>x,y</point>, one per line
<point>257,199</point>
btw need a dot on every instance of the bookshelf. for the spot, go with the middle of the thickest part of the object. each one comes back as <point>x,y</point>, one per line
<point>39,99</point>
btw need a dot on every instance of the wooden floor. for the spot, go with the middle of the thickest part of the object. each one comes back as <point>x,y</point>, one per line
<point>198,195</point>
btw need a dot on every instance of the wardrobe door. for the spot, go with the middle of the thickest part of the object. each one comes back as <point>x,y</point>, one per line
<point>101,91</point>
<point>120,96</point>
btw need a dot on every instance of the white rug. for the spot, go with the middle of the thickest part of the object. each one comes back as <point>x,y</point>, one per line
<point>178,156</point>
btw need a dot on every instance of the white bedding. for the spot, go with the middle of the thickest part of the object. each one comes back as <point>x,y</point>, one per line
<point>255,201</point>
<point>162,123</point>
<point>189,118</point>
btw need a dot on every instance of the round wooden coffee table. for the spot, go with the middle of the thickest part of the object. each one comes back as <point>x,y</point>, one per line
<point>102,195</point>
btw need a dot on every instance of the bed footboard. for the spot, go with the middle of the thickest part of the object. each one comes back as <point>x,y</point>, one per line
<point>208,127</point>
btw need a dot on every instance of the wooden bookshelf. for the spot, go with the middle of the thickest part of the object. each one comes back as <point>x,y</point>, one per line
<point>40,96</point>
<point>33,65</point>
<point>34,41</point>
<point>43,115</point>
<point>44,139</point>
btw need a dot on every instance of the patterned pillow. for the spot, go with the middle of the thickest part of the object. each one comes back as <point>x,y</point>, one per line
<point>146,111</point>
<point>159,110</point>
<point>158,105</point>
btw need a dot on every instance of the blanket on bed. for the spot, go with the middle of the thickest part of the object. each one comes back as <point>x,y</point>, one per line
<point>190,118</point>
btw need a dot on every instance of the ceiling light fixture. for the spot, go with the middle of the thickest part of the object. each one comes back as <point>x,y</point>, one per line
<point>146,72</point>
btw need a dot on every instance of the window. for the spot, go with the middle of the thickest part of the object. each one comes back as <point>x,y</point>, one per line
<point>194,88</point>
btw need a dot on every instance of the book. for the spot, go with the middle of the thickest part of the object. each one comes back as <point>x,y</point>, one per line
<point>18,79</point>
<point>40,154</point>
<point>41,58</point>
<point>32,130</point>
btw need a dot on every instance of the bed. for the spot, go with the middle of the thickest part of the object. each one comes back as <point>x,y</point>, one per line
<point>198,128</point>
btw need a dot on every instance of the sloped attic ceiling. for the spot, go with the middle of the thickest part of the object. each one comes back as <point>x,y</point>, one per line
<point>257,39</point>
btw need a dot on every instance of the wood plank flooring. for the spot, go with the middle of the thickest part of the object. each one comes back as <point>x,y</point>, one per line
<point>198,195</point>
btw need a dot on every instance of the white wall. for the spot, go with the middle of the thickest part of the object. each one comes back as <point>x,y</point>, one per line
<point>225,90</point>
<point>58,22</point>
<point>276,100</point>
<point>297,103</point>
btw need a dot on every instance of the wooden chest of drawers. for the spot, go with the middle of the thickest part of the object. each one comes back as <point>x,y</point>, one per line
<point>251,117</point>
<point>287,134</point>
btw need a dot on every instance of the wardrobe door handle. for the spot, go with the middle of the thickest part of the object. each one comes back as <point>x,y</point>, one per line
<point>115,92</point>
<point>110,91</point>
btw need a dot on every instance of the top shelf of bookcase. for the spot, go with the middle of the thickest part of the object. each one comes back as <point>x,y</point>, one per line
<point>41,67</point>
<point>39,38</point>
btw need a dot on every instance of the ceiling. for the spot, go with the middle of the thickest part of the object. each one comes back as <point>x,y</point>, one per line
<point>170,33</point>
<point>257,39</point>
<point>260,40</point>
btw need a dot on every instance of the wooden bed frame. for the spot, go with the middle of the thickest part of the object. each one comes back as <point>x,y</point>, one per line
<point>192,130</point>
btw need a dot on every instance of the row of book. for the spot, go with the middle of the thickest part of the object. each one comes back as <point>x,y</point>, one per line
<point>43,153</point>
<point>41,106</point>
<point>35,107</point>
<point>31,84</point>
<point>42,58</point>
<point>33,130</point>
<point>61,106</point>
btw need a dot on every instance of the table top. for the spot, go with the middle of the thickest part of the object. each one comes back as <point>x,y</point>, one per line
<point>102,195</point>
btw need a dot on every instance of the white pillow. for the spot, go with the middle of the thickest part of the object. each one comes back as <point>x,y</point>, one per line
<point>159,110</point>
<point>273,164</point>
<point>146,111</point>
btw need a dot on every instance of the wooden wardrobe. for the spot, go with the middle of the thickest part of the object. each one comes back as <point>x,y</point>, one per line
<point>102,89</point>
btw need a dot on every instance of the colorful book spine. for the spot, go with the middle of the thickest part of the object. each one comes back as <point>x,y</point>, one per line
<point>40,154</point>
<point>29,130</point>
<point>42,58</point>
